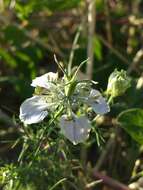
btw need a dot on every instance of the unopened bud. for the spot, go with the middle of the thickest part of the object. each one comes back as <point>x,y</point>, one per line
<point>118,83</point>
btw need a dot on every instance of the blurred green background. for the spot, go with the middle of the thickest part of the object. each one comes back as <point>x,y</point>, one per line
<point>32,31</point>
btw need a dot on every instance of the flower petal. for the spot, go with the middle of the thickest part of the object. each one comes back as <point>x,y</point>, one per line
<point>33,110</point>
<point>45,81</point>
<point>75,129</point>
<point>97,102</point>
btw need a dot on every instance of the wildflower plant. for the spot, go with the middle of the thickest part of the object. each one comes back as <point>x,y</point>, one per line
<point>65,97</point>
<point>66,102</point>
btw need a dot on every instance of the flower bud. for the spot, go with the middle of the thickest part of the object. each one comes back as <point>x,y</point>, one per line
<point>118,83</point>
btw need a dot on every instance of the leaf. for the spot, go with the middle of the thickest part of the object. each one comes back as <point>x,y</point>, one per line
<point>132,121</point>
<point>97,48</point>
<point>8,58</point>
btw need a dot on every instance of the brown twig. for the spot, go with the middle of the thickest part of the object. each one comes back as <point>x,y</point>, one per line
<point>90,54</point>
<point>136,61</point>
<point>1,6</point>
<point>116,185</point>
<point>91,33</point>
<point>108,23</point>
<point>105,152</point>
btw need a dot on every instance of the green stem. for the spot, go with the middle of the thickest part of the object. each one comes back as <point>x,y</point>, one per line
<point>110,99</point>
<point>43,133</point>
<point>81,64</point>
<point>69,110</point>
<point>59,65</point>
<point>73,50</point>
<point>59,182</point>
<point>25,131</point>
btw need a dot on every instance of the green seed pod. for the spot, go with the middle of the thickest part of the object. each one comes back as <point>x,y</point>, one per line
<point>118,83</point>
<point>71,88</point>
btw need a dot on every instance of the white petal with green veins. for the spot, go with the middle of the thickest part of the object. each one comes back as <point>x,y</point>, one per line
<point>33,110</point>
<point>45,81</point>
<point>76,129</point>
<point>97,102</point>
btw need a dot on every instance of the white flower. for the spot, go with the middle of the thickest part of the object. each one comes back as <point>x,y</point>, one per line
<point>33,110</point>
<point>76,129</point>
<point>51,94</point>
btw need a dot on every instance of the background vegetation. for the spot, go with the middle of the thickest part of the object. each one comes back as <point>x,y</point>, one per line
<point>31,32</point>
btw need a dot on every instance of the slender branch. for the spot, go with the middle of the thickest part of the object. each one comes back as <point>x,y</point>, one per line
<point>55,45</point>
<point>44,131</point>
<point>12,4</point>
<point>107,148</point>
<point>108,23</point>
<point>140,82</point>
<point>58,183</point>
<point>91,33</point>
<point>114,184</point>
<point>136,61</point>
<point>1,6</point>
<point>90,55</point>
<point>73,48</point>
<point>105,152</point>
